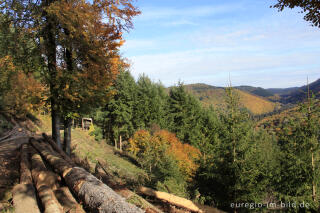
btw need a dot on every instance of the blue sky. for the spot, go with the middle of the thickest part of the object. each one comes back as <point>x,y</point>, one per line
<point>202,41</point>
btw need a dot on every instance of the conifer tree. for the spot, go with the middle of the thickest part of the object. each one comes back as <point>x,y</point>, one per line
<point>184,116</point>
<point>299,139</point>
<point>149,104</point>
<point>120,108</point>
<point>237,170</point>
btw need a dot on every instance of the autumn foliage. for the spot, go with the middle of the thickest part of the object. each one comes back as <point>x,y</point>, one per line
<point>26,93</point>
<point>143,142</point>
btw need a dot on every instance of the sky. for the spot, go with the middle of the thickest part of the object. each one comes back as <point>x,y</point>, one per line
<point>205,41</point>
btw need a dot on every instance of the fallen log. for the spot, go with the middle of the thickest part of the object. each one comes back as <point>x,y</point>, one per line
<point>57,149</point>
<point>88,188</point>
<point>67,201</point>
<point>25,173</point>
<point>129,195</point>
<point>24,195</point>
<point>24,199</point>
<point>172,199</point>
<point>45,181</point>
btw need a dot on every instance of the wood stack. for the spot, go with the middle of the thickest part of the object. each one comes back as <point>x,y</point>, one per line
<point>88,189</point>
<point>24,195</point>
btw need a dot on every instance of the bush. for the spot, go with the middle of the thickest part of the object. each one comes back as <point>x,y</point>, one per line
<point>96,132</point>
<point>170,163</point>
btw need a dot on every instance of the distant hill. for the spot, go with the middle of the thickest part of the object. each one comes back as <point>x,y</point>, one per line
<point>300,93</point>
<point>256,91</point>
<point>215,96</point>
<point>282,91</point>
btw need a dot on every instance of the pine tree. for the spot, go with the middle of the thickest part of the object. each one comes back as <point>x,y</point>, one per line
<point>237,169</point>
<point>184,116</point>
<point>149,104</point>
<point>120,108</point>
<point>299,139</point>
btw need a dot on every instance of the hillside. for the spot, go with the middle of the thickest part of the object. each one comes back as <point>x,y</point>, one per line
<point>215,96</point>
<point>300,93</point>
<point>256,91</point>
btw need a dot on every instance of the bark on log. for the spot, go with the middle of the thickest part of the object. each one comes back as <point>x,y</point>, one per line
<point>67,201</point>
<point>25,173</point>
<point>88,188</point>
<point>24,195</point>
<point>172,199</point>
<point>96,194</point>
<point>57,149</point>
<point>45,181</point>
<point>123,191</point>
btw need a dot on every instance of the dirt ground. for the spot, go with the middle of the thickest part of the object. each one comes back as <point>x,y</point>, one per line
<point>9,168</point>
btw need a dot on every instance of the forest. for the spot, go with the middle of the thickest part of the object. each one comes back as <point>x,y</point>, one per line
<point>63,58</point>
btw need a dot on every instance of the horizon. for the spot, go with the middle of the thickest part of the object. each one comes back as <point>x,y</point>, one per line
<point>203,41</point>
<point>257,86</point>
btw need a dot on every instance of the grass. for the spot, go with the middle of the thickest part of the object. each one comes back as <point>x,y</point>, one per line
<point>85,146</point>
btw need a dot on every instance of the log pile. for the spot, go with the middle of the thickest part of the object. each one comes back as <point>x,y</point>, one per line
<point>88,189</point>
<point>49,180</point>
<point>24,195</point>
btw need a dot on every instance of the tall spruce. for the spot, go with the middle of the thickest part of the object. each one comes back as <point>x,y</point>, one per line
<point>120,108</point>
<point>184,116</point>
<point>238,169</point>
<point>299,139</point>
<point>149,104</point>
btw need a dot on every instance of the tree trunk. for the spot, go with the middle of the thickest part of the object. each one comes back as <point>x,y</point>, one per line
<point>67,135</point>
<point>120,143</point>
<point>115,143</point>
<point>49,37</point>
<point>55,124</point>
<point>314,196</point>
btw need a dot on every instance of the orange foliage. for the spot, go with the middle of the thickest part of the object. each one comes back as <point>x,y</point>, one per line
<point>92,31</point>
<point>185,154</point>
<point>23,93</point>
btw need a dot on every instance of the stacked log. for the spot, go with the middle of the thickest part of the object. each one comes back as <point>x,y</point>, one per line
<point>24,195</point>
<point>57,149</point>
<point>88,188</point>
<point>45,181</point>
<point>67,201</point>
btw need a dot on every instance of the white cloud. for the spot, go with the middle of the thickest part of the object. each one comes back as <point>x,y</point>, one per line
<point>275,50</point>
<point>208,65</point>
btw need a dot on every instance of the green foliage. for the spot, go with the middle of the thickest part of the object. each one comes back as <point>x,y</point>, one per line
<point>184,116</point>
<point>173,186</point>
<point>237,169</point>
<point>117,117</point>
<point>96,132</point>
<point>299,142</point>
<point>149,105</point>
